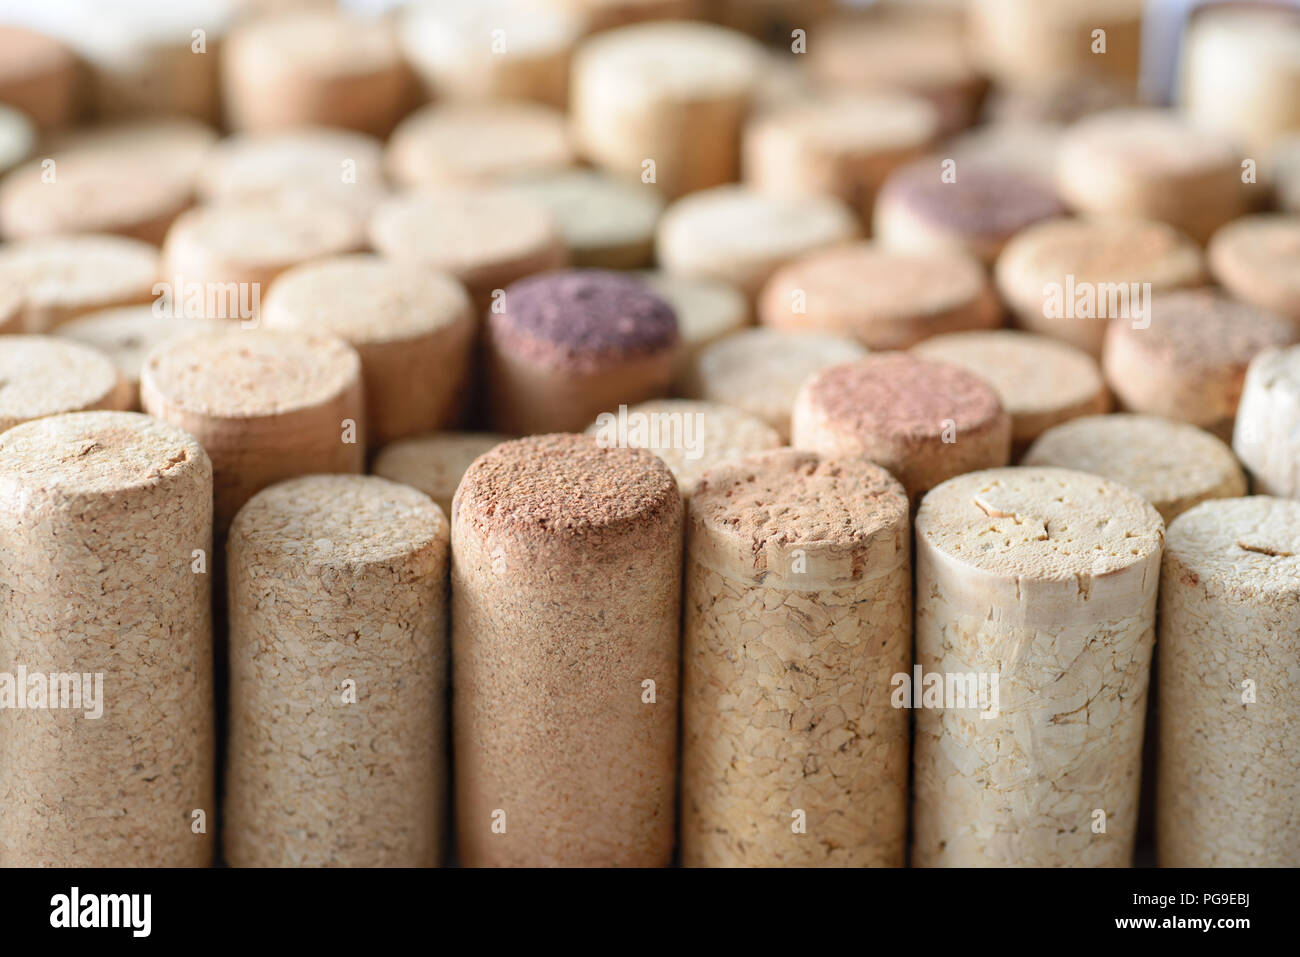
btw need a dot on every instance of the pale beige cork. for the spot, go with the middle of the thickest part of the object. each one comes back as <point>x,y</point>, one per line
<point>566,596</point>
<point>1267,433</point>
<point>924,421</point>
<point>1257,259</point>
<point>17,137</point>
<point>1229,759</point>
<point>672,94</point>
<point>11,307</point>
<point>883,298</point>
<point>1285,165</point>
<point>606,14</point>
<point>267,405</point>
<point>1068,278</point>
<point>39,76</point>
<point>1041,382</point>
<point>1190,361</point>
<point>1047,579</point>
<point>707,310</point>
<point>741,236</point>
<point>42,375</point>
<point>338,676</point>
<point>412,327</point>
<point>434,464</point>
<point>102,518</point>
<point>798,614</point>
<point>1173,465</point>
<point>760,371</point>
<point>689,436</point>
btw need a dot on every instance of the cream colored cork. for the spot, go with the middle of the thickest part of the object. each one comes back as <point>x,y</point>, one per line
<point>760,371</point>
<point>1229,760</point>
<point>566,595</point>
<point>41,375</point>
<point>666,100</point>
<point>1257,259</point>
<point>1041,382</point>
<point>1172,465</point>
<point>884,298</point>
<point>11,307</point>
<point>338,669</point>
<point>707,310</point>
<point>103,516</point>
<point>606,14</point>
<point>434,464</point>
<point>1285,163</point>
<point>1267,433</point>
<point>413,329</point>
<point>267,405</point>
<point>39,76</point>
<point>798,614</point>
<point>1068,278</point>
<point>17,137</point>
<point>1190,362</point>
<point>741,236</point>
<point>1047,579</point>
<point>924,421</point>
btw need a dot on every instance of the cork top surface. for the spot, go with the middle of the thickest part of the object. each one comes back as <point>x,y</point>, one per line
<point>1201,328</point>
<point>1040,524</point>
<point>1267,245</point>
<point>279,230</point>
<point>316,41</point>
<point>71,270</point>
<point>594,209</point>
<point>478,142</point>
<point>17,137</point>
<point>247,373</point>
<point>1100,250</point>
<point>258,163</point>
<point>1148,142</point>
<point>434,464</point>
<point>669,60</point>
<point>706,308</point>
<point>43,375</point>
<point>917,52</point>
<point>448,31</point>
<point>1251,543</point>
<point>985,200</point>
<point>127,334</point>
<point>1277,369</point>
<point>860,123</point>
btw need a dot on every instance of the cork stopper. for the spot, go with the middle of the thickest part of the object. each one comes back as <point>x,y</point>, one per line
<point>42,376</point>
<point>1241,546</point>
<point>17,138</point>
<point>1265,436</point>
<point>1151,143</point>
<point>434,464</point>
<point>844,125</point>
<point>11,307</point>
<point>1255,259</point>
<point>674,61</point>
<point>706,309</point>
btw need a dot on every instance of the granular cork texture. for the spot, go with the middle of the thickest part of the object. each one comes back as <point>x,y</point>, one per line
<point>566,594</point>
<point>1046,578</point>
<point>798,614</point>
<point>338,662</point>
<point>1267,433</point>
<point>101,517</point>
<point>434,464</point>
<point>1229,765</point>
<point>41,375</point>
<point>1257,259</point>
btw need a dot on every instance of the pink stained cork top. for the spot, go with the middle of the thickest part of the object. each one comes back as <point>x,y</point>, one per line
<point>985,200</point>
<point>1201,328</point>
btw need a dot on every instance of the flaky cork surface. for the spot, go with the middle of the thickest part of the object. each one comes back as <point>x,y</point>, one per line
<point>798,612</point>
<point>338,658</point>
<point>434,464</point>
<point>1267,434</point>
<point>566,590</point>
<point>42,375</point>
<point>100,517</point>
<point>1255,259</point>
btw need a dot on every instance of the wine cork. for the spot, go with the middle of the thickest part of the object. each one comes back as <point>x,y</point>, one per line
<point>412,328</point>
<point>707,310</point>
<point>1155,165</point>
<point>41,375</point>
<point>11,307</point>
<point>1257,259</point>
<point>919,209</point>
<point>102,517</point>
<point>570,345</point>
<point>1190,362</point>
<point>1028,149</point>
<point>689,436</point>
<point>315,68</point>
<point>741,236</point>
<point>477,143</point>
<point>1041,382</point>
<point>1267,433</point>
<point>1068,278</point>
<point>760,371</point>
<point>924,421</point>
<point>1057,102</point>
<point>63,277</point>
<point>338,664</point>
<point>1069,563</point>
<point>434,464</point>
<point>1173,465</point>
<point>665,101</point>
<point>1229,776</point>
<point>40,76</point>
<point>566,591</point>
<point>794,628</point>
<point>883,298</point>
<point>606,14</point>
<point>17,138</point>
<point>267,406</point>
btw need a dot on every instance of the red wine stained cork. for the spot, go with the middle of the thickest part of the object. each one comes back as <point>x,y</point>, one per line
<point>796,620</point>
<point>1068,278</point>
<point>741,236</point>
<point>412,328</point>
<point>1041,382</point>
<point>1267,433</point>
<point>665,101</point>
<point>924,421</point>
<point>1027,149</point>
<point>760,370</point>
<point>39,76</point>
<point>707,310</point>
<point>102,515</point>
<point>434,464</point>
<point>1190,362</point>
<point>42,375</point>
<point>1229,767</point>
<point>572,344</point>
<point>1172,465</point>
<point>1257,259</point>
<point>17,138</point>
<point>1043,770</point>
<point>566,594</point>
<point>338,664</point>
<point>919,210</point>
<point>884,298</point>
<point>267,406</point>
<point>315,68</point>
